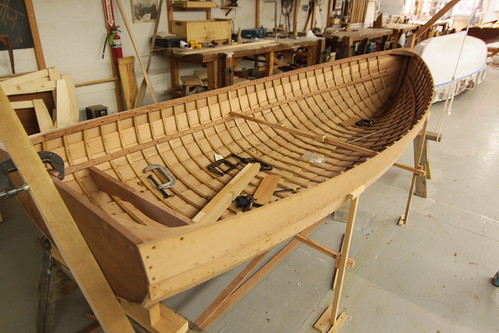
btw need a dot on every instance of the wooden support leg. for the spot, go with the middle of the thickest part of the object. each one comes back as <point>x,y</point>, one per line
<point>330,316</point>
<point>46,308</point>
<point>354,200</point>
<point>403,218</point>
<point>157,318</point>
<point>212,75</point>
<point>269,63</point>
<point>202,320</point>
<point>420,188</point>
<point>174,76</point>
<point>226,69</point>
<point>53,285</point>
<point>222,303</point>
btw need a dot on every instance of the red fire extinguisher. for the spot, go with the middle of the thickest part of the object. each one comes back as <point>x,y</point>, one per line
<point>115,41</point>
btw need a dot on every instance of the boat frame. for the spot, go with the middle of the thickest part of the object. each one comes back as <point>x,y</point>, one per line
<point>134,249</point>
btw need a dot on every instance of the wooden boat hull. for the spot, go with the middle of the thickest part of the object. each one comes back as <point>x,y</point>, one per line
<point>147,245</point>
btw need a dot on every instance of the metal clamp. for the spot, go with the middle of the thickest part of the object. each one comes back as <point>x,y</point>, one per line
<point>8,189</point>
<point>245,160</point>
<point>364,123</point>
<point>161,187</point>
<point>215,167</point>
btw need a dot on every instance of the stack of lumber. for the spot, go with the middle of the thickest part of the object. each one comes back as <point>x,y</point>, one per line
<point>43,100</point>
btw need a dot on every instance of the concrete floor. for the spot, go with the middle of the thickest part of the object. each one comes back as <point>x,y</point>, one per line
<point>432,275</point>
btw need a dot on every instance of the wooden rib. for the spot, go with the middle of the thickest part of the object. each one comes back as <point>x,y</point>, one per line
<point>308,135</point>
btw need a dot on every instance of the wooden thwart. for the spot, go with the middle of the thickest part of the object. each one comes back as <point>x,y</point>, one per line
<point>318,137</point>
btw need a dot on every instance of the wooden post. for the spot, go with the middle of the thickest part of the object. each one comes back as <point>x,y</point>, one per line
<point>226,69</point>
<point>269,63</point>
<point>354,201</point>
<point>174,76</point>
<point>329,12</point>
<point>212,75</point>
<point>40,59</point>
<point>257,14</point>
<point>420,189</point>
<point>60,223</point>
<point>295,18</point>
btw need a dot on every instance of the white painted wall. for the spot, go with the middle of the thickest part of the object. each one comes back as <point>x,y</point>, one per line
<point>72,34</point>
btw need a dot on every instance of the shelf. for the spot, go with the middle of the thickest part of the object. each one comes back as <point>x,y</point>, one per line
<point>195,4</point>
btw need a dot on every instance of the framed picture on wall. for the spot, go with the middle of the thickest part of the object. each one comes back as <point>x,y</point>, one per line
<point>144,10</point>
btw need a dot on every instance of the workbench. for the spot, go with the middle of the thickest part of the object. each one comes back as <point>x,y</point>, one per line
<point>222,60</point>
<point>399,29</point>
<point>343,41</point>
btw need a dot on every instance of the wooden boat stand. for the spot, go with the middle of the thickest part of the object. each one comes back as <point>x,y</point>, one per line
<point>243,282</point>
<point>421,162</point>
<point>55,282</point>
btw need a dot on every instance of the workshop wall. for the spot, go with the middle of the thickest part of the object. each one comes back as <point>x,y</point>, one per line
<point>72,34</point>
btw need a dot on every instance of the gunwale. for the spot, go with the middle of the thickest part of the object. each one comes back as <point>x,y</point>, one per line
<point>209,122</point>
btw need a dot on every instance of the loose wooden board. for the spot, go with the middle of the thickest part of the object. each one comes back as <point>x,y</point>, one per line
<point>60,223</point>
<point>266,189</point>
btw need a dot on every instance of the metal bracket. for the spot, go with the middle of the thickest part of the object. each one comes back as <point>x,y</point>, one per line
<point>8,166</point>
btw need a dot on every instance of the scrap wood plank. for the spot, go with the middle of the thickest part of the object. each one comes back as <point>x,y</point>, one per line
<point>215,208</point>
<point>73,99</point>
<point>60,223</point>
<point>126,67</point>
<point>266,189</point>
<point>63,104</point>
<point>45,122</point>
<point>29,87</point>
<point>14,81</point>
